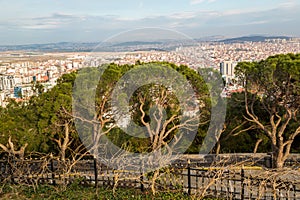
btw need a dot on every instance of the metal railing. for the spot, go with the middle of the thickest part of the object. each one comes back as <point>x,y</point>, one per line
<point>194,178</point>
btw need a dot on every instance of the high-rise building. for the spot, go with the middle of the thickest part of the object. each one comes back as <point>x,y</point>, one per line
<point>227,69</point>
<point>6,82</point>
<point>18,92</point>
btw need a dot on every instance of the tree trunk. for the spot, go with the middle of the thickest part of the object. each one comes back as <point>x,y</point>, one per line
<point>278,158</point>
<point>257,145</point>
<point>63,153</point>
<point>66,141</point>
<point>10,149</point>
<point>218,147</point>
<point>153,181</point>
<point>95,147</point>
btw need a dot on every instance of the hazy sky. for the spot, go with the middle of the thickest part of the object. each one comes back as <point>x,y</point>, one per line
<point>43,21</point>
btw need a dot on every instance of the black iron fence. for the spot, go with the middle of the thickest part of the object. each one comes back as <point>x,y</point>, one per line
<point>217,178</point>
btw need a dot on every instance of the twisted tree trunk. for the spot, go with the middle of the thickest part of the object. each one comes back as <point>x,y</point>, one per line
<point>10,149</point>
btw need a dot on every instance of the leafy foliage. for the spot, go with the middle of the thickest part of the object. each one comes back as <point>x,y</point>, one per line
<point>274,84</point>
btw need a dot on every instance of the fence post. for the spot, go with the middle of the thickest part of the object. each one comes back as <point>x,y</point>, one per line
<point>142,176</point>
<point>11,167</point>
<point>95,172</point>
<point>269,160</point>
<point>243,184</point>
<point>142,180</point>
<point>189,177</point>
<point>52,170</point>
<point>272,160</point>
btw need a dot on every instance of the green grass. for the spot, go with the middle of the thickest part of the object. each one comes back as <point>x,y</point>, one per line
<point>76,191</point>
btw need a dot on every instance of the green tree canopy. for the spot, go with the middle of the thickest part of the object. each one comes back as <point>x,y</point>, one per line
<point>274,84</point>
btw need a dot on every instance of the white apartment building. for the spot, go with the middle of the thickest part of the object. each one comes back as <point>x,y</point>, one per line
<point>227,69</point>
<point>7,82</point>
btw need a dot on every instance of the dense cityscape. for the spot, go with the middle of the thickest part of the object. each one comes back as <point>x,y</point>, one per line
<point>140,99</point>
<point>20,70</point>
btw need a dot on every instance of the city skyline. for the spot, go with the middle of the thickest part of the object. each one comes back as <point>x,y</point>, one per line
<point>33,21</point>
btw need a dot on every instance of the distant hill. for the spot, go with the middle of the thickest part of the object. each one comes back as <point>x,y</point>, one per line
<point>128,46</point>
<point>51,47</point>
<point>136,43</point>
<point>252,39</point>
<point>101,47</point>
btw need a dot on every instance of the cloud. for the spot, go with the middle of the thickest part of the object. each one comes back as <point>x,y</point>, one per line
<point>54,21</point>
<point>257,22</point>
<point>79,27</point>
<point>289,4</point>
<point>193,2</point>
<point>197,19</point>
<point>57,16</point>
<point>41,26</point>
<point>184,15</point>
